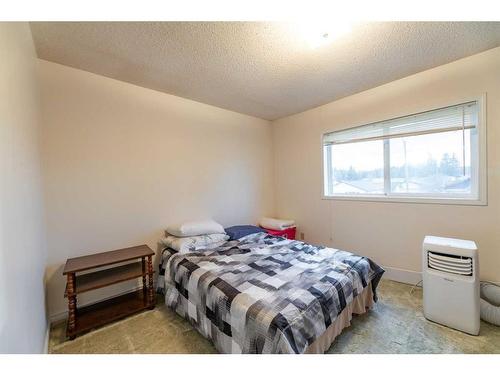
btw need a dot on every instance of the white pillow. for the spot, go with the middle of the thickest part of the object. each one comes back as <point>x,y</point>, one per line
<point>276,224</point>
<point>193,243</point>
<point>195,228</point>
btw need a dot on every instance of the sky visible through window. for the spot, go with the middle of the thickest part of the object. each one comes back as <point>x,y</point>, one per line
<point>366,155</point>
<point>423,164</point>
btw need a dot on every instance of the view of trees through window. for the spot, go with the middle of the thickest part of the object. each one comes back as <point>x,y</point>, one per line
<point>430,164</point>
<point>448,166</point>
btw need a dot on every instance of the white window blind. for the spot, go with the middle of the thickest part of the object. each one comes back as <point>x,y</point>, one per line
<point>457,117</point>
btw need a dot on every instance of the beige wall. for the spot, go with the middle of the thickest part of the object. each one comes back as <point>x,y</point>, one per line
<point>391,233</point>
<point>121,162</point>
<point>22,244</point>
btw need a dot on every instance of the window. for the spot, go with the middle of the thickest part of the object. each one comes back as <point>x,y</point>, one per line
<point>432,156</point>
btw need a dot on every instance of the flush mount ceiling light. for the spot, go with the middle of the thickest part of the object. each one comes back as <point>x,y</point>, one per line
<point>318,33</point>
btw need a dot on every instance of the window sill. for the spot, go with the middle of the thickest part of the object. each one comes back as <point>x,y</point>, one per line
<point>417,200</point>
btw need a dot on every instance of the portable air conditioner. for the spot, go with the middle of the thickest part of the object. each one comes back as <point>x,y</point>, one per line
<point>451,283</point>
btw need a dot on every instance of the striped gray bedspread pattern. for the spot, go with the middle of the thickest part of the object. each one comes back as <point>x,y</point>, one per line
<point>264,294</point>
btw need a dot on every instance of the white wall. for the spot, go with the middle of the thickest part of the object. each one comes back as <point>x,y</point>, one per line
<point>121,162</point>
<point>390,233</point>
<point>22,244</point>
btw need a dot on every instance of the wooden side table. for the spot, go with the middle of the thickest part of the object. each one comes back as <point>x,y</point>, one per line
<point>91,316</point>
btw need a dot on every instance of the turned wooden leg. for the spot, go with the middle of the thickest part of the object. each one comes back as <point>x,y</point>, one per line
<point>71,306</point>
<point>144,285</point>
<point>150,281</point>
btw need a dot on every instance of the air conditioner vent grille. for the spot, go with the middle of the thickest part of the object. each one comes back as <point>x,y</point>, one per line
<point>449,263</point>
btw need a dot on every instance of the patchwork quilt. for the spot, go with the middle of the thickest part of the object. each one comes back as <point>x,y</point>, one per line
<point>264,294</point>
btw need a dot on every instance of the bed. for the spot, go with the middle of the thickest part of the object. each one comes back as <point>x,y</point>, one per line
<point>267,294</point>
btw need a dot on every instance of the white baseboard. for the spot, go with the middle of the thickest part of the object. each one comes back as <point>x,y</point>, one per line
<point>402,275</point>
<point>56,317</point>
<point>63,315</point>
<point>46,340</point>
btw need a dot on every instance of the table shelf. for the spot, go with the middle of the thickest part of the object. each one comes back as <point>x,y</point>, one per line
<point>99,279</point>
<point>81,319</point>
<point>92,316</point>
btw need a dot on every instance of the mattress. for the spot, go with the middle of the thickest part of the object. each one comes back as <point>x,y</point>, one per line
<point>267,294</point>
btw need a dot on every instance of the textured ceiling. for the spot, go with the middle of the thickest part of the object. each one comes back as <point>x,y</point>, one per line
<point>259,68</point>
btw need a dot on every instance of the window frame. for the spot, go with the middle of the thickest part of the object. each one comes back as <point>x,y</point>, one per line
<point>479,159</point>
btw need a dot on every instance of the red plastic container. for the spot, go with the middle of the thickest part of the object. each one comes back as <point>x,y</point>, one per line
<point>287,233</point>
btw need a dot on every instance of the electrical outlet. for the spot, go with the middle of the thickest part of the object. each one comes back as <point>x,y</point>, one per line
<point>301,235</point>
